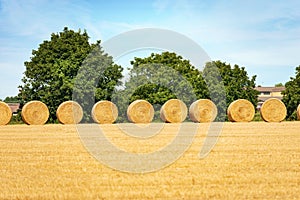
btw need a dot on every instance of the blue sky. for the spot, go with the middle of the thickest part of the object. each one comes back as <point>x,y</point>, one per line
<point>263,36</point>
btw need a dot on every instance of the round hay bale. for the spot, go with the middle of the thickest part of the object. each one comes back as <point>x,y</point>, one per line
<point>298,112</point>
<point>140,111</point>
<point>35,113</point>
<point>69,112</point>
<point>105,112</point>
<point>241,110</point>
<point>203,110</point>
<point>273,110</point>
<point>173,111</point>
<point>5,113</point>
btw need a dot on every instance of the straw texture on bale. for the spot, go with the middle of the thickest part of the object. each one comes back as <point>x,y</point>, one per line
<point>298,112</point>
<point>35,113</point>
<point>105,112</point>
<point>140,111</point>
<point>5,113</point>
<point>69,112</point>
<point>273,110</point>
<point>203,110</point>
<point>173,111</point>
<point>241,110</point>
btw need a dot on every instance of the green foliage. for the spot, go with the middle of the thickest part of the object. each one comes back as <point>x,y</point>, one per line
<point>291,97</point>
<point>279,85</point>
<point>162,68</point>
<point>16,119</point>
<point>50,74</point>
<point>161,77</point>
<point>96,80</point>
<point>237,83</point>
<point>11,99</point>
<point>257,117</point>
<point>216,89</point>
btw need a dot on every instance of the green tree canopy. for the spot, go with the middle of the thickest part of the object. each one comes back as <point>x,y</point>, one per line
<point>12,99</point>
<point>51,72</point>
<point>279,85</point>
<point>161,77</point>
<point>154,79</point>
<point>155,75</point>
<point>236,83</point>
<point>291,97</point>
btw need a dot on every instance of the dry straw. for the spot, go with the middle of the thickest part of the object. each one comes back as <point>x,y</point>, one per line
<point>5,113</point>
<point>273,110</point>
<point>241,110</point>
<point>203,110</point>
<point>298,112</point>
<point>140,111</point>
<point>173,111</point>
<point>105,112</point>
<point>69,112</point>
<point>35,113</point>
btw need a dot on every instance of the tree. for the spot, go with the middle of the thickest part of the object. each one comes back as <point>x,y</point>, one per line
<point>52,70</point>
<point>279,85</point>
<point>291,95</point>
<point>11,99</point>
<point>161,77</point>
<point>219,82</point>
<point>237,83</point>
<point>165,65</point>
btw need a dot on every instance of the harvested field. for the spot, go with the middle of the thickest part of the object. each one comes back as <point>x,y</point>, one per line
<point>254,160</point>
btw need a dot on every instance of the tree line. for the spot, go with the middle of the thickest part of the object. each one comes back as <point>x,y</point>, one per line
<point>52,72</point>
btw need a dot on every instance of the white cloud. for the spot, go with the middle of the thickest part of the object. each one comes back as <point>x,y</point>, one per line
<point>257,34</point>
<point>161,5</point>
<point>25,24</point>
<point>264,36</point>
<point>38,18</point>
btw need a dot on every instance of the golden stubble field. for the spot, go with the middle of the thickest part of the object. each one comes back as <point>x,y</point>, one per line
<point>253,160</point>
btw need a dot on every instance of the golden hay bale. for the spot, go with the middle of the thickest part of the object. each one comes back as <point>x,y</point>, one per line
<point>273,110</point>
<point>298,112</point>
<point>173,111</point>
<point>105,112</point>
<point>5,113</point>
<point>69,112</point>
<point>203,110</point>
<point>35,113</point>
<point>241,110</point>
<point>140,111</point>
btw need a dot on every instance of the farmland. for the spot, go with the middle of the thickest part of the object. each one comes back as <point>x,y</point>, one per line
<point>250,160</point>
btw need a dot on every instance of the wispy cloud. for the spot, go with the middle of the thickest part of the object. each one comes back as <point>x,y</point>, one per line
<point>25,24</point>
<point>256,34</point>
<point>38,18</point>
